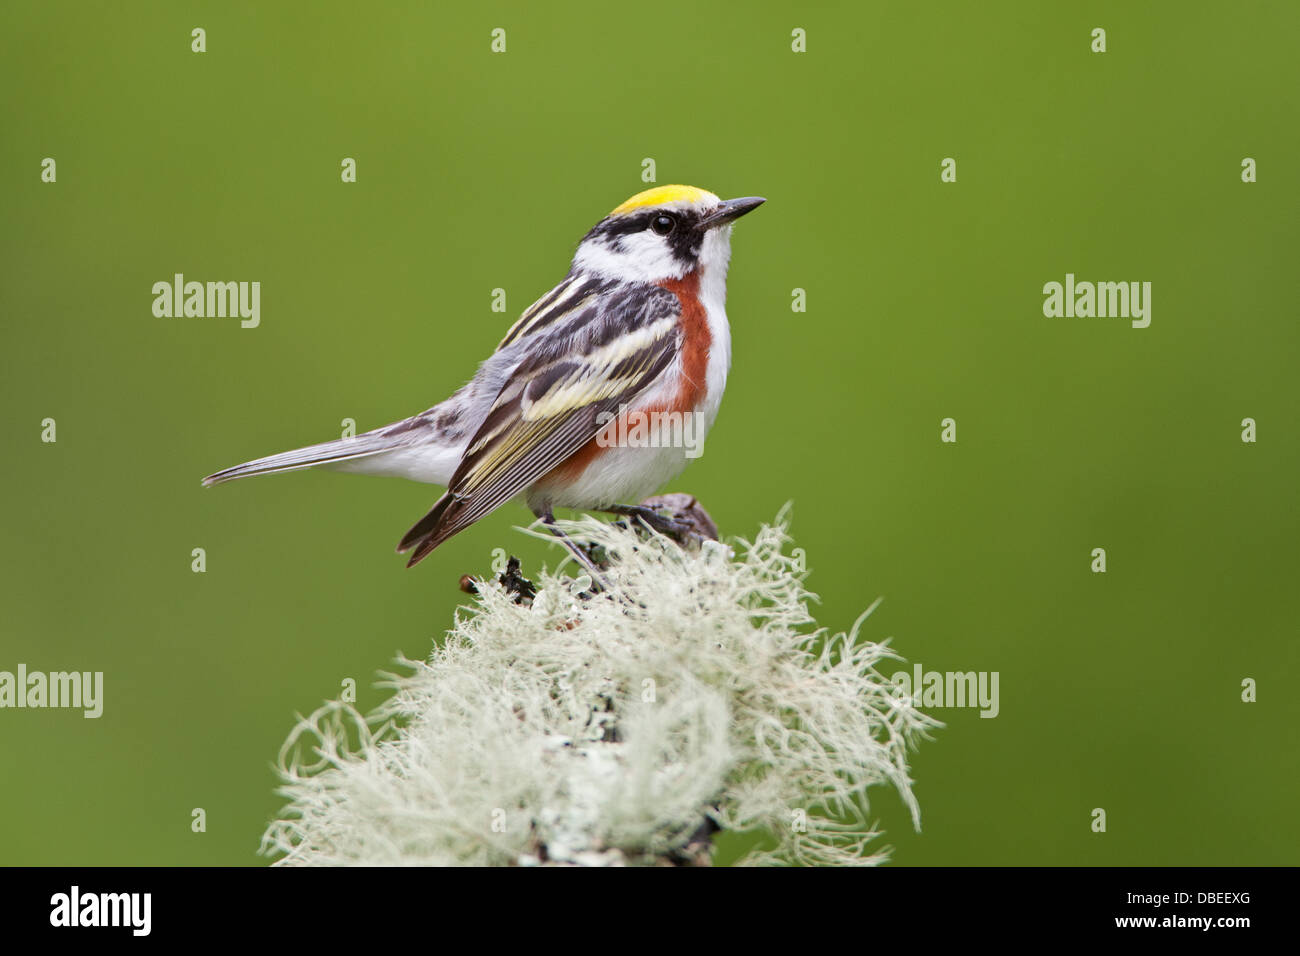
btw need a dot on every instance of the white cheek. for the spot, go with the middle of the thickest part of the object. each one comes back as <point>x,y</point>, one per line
<point>643,257</point>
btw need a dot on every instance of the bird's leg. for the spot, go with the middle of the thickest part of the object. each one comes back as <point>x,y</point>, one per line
<point>664,524</point>
<point>597,578</point>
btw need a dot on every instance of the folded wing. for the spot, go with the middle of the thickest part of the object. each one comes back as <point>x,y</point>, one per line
<point>598,358</point>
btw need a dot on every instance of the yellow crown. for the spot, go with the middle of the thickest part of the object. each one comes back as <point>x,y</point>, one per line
<point>663,194</point>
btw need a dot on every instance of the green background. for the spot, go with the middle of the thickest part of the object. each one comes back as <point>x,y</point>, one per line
<point>476,171</point>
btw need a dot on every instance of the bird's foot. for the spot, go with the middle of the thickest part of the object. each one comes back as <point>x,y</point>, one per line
<point>672,526</point>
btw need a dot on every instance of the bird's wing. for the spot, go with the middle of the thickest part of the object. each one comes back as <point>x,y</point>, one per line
<point>592,360</point>
<point>575,294</point>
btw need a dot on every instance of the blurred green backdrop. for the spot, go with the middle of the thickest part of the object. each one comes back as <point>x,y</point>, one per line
<point>479,170</point>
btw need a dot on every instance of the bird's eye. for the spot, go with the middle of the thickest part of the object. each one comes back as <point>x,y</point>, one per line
<point>663,224</point>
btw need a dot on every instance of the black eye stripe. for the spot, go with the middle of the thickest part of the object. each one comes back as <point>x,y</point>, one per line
<point>623,225</point>
<point>684,239</point>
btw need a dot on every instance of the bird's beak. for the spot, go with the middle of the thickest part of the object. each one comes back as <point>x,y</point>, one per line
<point>730,210</point>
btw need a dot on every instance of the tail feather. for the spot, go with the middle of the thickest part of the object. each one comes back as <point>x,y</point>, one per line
<point>344,449</point>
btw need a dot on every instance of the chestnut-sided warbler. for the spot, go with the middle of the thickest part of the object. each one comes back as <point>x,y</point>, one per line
<point>636,333</point>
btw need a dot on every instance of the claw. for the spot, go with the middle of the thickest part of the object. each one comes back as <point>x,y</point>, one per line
<point>668,525</point>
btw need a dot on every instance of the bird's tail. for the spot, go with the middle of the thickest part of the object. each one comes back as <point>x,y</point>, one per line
<point>330,452</point>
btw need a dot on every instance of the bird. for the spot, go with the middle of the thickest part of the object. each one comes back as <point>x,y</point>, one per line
<point>637,328</point>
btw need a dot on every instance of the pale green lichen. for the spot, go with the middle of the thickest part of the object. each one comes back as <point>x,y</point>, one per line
<point>598,730</point>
